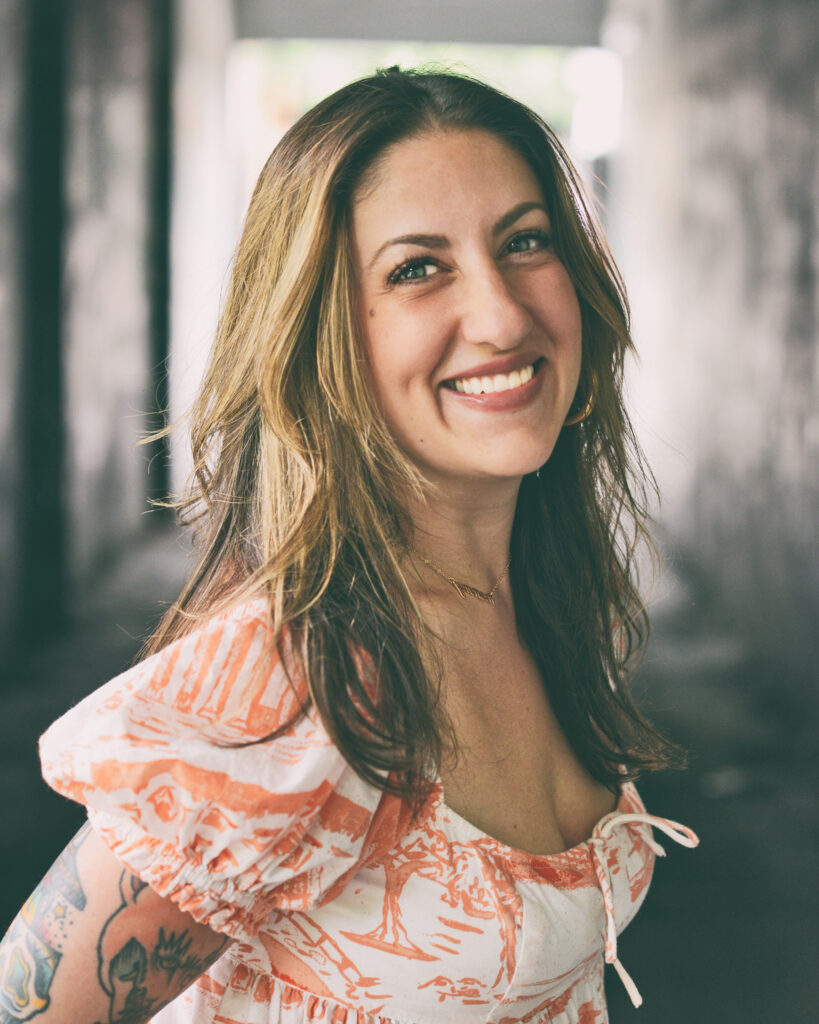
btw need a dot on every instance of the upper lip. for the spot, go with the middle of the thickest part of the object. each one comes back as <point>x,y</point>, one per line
<point>505,365</point>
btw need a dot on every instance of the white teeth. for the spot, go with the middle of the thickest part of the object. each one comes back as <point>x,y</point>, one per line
<point>500,382</point>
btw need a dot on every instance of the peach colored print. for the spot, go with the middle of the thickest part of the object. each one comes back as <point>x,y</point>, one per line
<point>429,893</point>
<point>474,885</point>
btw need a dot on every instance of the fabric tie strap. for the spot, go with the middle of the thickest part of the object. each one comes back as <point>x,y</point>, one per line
<point>679,833</point>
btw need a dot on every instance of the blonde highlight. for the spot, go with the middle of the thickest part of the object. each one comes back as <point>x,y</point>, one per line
<point>298,487</point>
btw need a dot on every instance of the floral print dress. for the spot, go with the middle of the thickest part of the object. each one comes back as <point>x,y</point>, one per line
<point>346,908</point>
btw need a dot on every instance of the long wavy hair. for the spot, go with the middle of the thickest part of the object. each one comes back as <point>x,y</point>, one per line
<point>299,487</point>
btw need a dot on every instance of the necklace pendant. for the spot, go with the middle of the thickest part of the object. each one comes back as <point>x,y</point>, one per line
<point>474,592</point>
<point>464,589</point>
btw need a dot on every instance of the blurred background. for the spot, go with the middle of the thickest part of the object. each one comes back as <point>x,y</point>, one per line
<point>130,136</point>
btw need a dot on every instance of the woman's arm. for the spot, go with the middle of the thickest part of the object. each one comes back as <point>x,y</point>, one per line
<point>95,945</point>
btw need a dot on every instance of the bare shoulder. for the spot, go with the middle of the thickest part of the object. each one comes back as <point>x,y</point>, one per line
<point>95,943</point>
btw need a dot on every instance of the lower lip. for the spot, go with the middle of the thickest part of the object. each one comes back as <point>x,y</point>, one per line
<point>503,401</point>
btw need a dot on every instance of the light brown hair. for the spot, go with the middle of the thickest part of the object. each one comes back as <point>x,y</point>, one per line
<point>298,483</point>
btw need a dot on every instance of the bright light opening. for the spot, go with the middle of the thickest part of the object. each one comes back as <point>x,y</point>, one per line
<point>270,83</point>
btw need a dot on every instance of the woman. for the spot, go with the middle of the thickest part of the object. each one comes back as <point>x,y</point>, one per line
<point>378,764</point>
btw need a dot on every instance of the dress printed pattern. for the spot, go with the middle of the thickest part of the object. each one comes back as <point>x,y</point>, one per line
<point>346,909</point>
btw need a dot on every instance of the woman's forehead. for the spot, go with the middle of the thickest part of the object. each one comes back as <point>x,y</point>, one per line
<point>425,143</point>
<point>444,174</point>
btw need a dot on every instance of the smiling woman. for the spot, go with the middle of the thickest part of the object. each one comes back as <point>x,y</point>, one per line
<point>459,311</point>
<point>384,739</point>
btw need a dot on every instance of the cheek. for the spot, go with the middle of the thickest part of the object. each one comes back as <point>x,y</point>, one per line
<point>390,368</point>
<point>403,352</point>
<point>567,319</point>
<point>568,302</point>
<point>384,357</point>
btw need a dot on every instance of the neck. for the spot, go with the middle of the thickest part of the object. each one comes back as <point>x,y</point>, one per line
<point>467,530</point>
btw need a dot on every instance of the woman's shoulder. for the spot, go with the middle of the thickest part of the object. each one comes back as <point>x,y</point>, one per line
<point>204,778</point>
<point>229,668</point>
<point>229,675</point>
<point>228,683</point>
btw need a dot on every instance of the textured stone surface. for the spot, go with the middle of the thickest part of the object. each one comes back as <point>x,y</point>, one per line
<point>81,180</point>
<point>107,372</point>
<point>718,229</point>
<point>202,245</point>
<point>10,46</point>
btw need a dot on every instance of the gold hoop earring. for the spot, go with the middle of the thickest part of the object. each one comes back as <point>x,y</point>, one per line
<point>587,408</point>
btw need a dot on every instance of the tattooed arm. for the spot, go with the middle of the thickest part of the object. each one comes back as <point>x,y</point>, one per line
<point>95,945</point>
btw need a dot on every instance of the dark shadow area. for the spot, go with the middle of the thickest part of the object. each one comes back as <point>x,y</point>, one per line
<point>55,674</point>
<point>729,931</point>
<point>40,566</point>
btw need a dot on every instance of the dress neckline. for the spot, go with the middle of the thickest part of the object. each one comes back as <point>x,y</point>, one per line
<point>628,800</point>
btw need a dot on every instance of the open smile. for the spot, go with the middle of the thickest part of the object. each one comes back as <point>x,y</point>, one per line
<point>486,385</point>
<point>499,390</point>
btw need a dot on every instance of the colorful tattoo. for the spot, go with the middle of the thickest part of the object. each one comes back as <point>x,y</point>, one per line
<point>140,967</point>
<point>32,947</point>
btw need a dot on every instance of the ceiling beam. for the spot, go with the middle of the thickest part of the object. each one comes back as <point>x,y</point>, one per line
<point>535,22</point>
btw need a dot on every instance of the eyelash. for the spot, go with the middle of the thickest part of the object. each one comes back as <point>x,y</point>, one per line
<point>395,276</point>
<point>544,237</point>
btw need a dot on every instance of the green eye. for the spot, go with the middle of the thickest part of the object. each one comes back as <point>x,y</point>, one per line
<point>529,241</point>
<point>413,270</point>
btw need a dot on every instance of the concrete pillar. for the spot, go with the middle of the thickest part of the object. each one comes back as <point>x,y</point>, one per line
<point>84,212</point>
<point>717,194</point>
<point>203,232</point>
<point>11,42</point>
<point>39,522</point>
<point>107,373</point>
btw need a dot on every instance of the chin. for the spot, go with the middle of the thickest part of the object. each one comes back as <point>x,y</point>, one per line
<point>506,459</point>
<point>514,467</point>
<point>520,462</point>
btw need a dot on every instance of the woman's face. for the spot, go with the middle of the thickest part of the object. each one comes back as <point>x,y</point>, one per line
<point>472,326</point>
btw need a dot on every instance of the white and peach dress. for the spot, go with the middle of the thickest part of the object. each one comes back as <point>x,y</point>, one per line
<point>346,908</point>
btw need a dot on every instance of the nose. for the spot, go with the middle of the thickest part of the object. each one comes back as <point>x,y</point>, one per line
<point>491,313</point>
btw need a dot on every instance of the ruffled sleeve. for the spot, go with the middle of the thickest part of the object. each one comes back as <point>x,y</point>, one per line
<point>166,757</point>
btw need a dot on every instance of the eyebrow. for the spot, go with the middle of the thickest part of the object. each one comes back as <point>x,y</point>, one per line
<point>441,241</point>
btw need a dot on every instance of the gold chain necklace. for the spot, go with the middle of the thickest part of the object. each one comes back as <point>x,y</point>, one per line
<point>464,589</point>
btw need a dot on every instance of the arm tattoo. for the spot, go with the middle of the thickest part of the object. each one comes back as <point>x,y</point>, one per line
<point>139,970</point>
<point>32,947</point>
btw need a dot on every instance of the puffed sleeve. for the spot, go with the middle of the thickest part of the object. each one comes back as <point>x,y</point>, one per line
<point>166,757</point>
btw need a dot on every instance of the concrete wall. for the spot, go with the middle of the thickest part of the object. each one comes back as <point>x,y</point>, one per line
<point>107,308</point>
<point>203,232</point>
<point>717,224</point>
<point>10,100</point>
<point>83,293</point>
